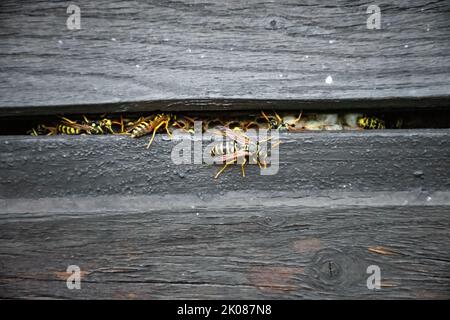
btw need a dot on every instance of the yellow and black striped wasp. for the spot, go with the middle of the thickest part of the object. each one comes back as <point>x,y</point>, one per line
<point>370,122</point>
<point>285,123</point>
<point>150,125</point>
<point>100,126</point>
<point>238,146</point>
<point>70,127</point>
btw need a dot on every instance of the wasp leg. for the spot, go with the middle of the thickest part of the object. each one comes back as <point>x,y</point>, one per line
<point>154,132</point>
<point>265,140</point>
<point>293,129</point>
<point>177,124</point>
<point>221,170</point>
<point>276,144</point>
<point>51,130</point>
<point>243,168</point>
<point>122,125</point>
<point>280,120</point>
<point>189,118</point>
<point>167,129</point>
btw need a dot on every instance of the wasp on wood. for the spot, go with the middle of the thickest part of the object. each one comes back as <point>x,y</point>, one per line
<point>238,146</point>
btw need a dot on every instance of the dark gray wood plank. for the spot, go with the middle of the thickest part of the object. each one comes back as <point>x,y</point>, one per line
<point>388,160</point>
<point>141,227</point>
<point>238,251</point>
<point>202,54</point>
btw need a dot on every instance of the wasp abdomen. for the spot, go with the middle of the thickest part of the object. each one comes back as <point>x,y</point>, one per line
<point>226,148</point>
<point>67,129</point>
<point>371,123</point>
<point>142,129</point>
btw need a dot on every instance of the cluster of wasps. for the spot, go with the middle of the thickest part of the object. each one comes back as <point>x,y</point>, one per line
<point>104,125</point>
<point>237,145</point>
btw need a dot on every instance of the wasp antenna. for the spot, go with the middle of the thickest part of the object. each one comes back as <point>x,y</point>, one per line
<point>68,120</point>
<point>265,116</point>
<point>278,117</point>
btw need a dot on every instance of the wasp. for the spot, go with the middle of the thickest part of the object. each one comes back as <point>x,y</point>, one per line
<point>72,127</point>
<point>370,122</point>
<point>151,125</point>
<point>286,123</point>
<point>101,126</point>
<point>41,129</point>
<point>238,146</point>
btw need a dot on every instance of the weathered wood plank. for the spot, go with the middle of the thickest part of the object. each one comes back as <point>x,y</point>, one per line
<point>238,251</point>
<point>130,219</point>
<point>102,165</point>
<point>201,54</point>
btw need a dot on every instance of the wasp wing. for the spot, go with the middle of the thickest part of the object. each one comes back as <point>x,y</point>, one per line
<point>72,124</point>
<point>233,135</point>
<point>138,122</point>
<point>231,156</point>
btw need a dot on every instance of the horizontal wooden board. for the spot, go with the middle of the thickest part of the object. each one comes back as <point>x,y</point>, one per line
<point>388,160</point>
<point>238,251</point>
<point>145,55</point>
<point>140,226</point>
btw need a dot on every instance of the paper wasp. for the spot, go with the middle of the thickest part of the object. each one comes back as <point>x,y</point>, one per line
<point>285,123</point>
<point>370,122</point>
<point>238,146</point>
<point>151,125</point>
<point>101,126</point>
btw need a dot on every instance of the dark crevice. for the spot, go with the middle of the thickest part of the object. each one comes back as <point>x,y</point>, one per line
<point>396,119</point>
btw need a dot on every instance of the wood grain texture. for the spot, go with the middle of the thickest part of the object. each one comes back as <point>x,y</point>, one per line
<point>241,251</point>
<point>391,160</point>
<point>141,227</point>
<point>203,54</point>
